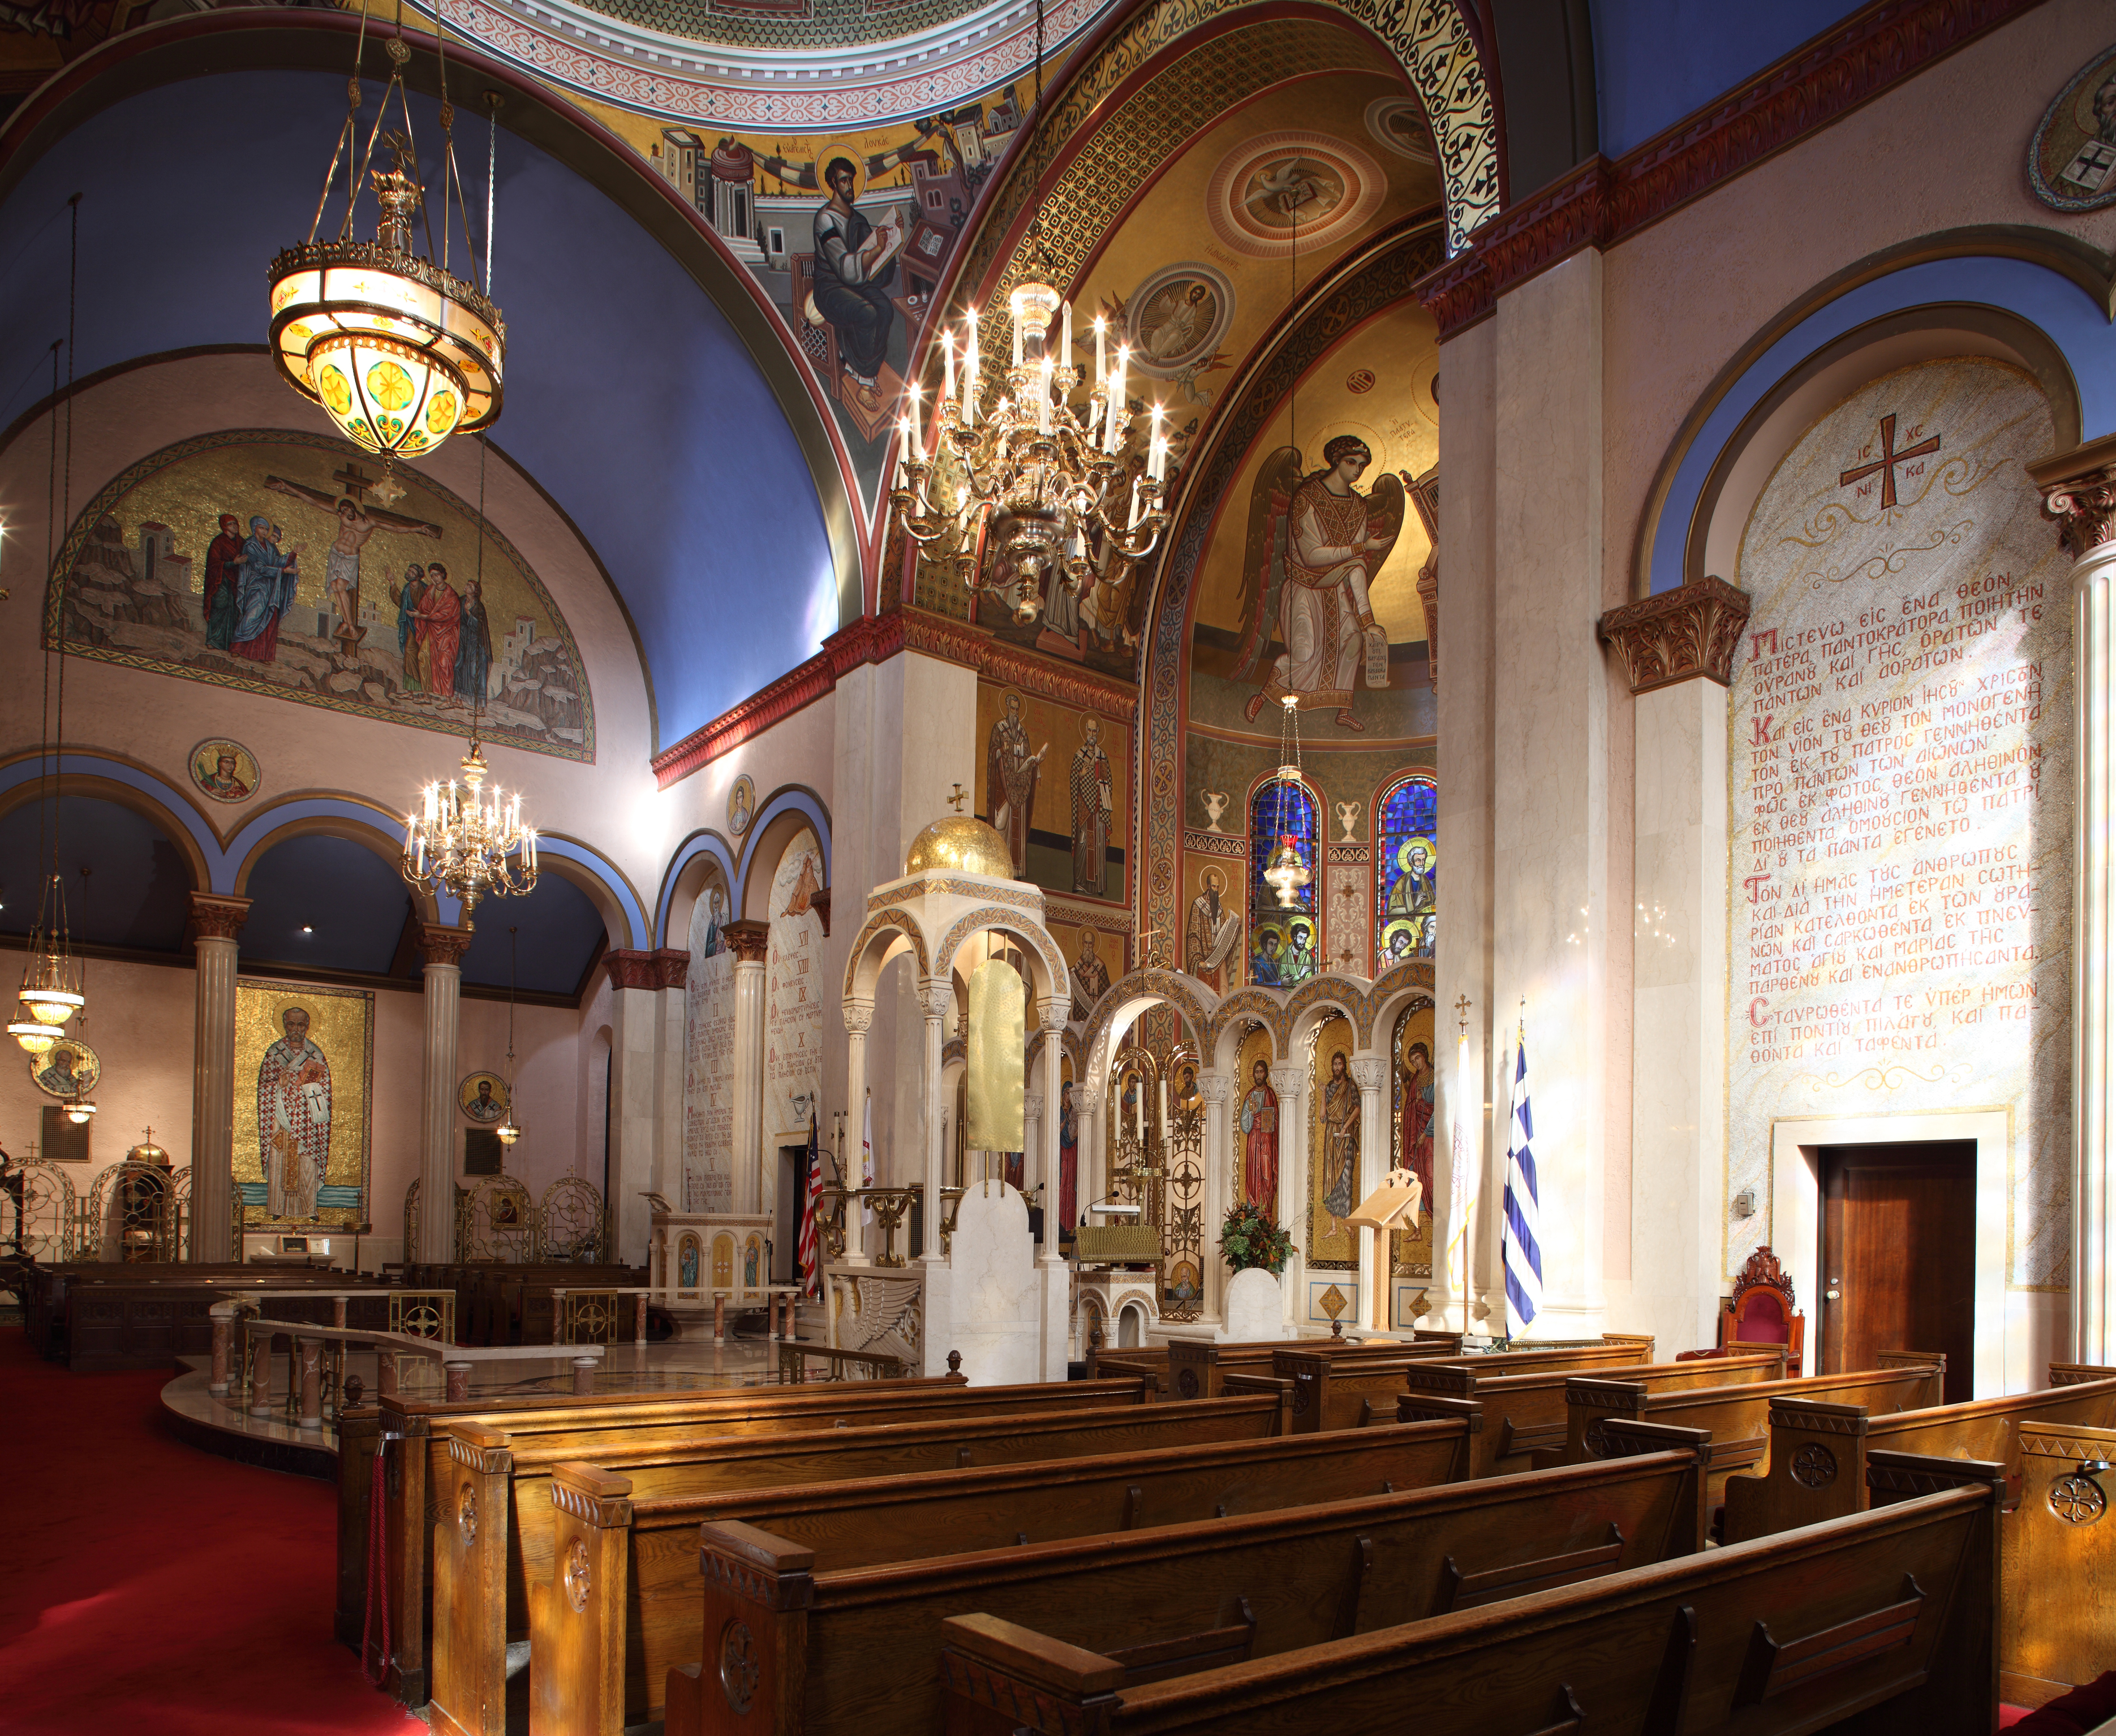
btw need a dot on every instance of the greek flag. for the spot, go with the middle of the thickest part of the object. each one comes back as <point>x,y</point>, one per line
<point>1519,1253</point>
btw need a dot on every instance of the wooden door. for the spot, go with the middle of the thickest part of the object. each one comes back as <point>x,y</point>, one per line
<point>1899,1256</point>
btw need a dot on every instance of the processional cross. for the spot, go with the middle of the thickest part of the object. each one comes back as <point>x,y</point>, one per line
<point>1886,462</point>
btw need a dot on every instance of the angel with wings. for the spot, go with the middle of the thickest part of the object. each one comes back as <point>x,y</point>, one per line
<point>1310,559</point>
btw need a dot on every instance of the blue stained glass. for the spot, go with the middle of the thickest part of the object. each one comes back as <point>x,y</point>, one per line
<point>1284,943</point>
<point>1406,879</point>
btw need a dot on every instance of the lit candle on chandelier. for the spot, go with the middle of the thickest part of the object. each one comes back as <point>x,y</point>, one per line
<point>1117,414</point>
<point>1065,334</point>
<point>902,450</point>
<point>917,440</point>
<point>970,370</point>
<point>947,365</point>
<point>1043,398</point>
<point>1102,365</point>
<point>1017,339</point>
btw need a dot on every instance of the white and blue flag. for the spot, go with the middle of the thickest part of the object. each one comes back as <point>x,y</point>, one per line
<point>1520,1255</point>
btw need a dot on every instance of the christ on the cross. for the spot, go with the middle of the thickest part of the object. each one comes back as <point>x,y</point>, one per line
<point>356,523</point>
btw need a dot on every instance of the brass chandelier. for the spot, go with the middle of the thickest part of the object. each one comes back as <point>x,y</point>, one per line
<point>400,351</point>
<point>1031,479</point>
<point>468,844</point>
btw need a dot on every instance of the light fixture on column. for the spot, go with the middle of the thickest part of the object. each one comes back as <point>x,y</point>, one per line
<point>400,352</point>
<point>1027,479</point>
<point>1288,874</point>
<point>507,1130</point>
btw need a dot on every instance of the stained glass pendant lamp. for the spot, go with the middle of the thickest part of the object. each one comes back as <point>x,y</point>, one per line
<point>1289,873</point>
<point>399,350</point>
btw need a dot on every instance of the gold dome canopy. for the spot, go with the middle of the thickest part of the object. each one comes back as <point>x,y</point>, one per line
<point>963,843</point>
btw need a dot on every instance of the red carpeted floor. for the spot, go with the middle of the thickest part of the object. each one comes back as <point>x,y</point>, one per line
<point>149,1589</point>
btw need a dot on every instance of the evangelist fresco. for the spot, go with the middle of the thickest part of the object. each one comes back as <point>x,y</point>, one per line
<point>264,561</point>
<point>1333,1149</point>
<point>304,1061</point>
<point>1411,1133</point>
<point>1056,785</point>
<point>1256,1123</point>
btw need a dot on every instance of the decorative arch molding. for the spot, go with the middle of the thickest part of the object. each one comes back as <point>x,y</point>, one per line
<point>162,805</point>
<point>870,950</point>
<point>2015,288</point>
<point>705,846</point>
<point>608,887</point>
<point>768,836</point>
<point>1282,1011</point>
<point>197,44</point>
<point>997,918</point>
<point>1368,285</point>
<point>1184,992</point>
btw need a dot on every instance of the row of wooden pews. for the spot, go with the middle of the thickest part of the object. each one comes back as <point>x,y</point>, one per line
<point>95,1317</point>
<point>907,1554</point>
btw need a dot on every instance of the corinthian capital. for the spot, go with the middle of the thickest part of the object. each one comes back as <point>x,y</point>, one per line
<point>1679,635</point>
<point>747,939</point>
<point>440,944</point>
<point>216,917</point>
<point>1369,1072</point>
<point>1215,1087</point>
<point>1289,1078</point>
<point>2079,495</point>
<point>859,1016</point>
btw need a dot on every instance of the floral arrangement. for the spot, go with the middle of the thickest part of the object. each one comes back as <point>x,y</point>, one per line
<point>1252,1237</point>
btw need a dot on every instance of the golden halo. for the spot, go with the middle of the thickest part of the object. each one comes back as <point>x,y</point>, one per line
<point>1403,853</point>
<point>857,158</point>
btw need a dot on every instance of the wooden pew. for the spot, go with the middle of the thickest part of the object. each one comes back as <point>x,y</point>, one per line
<point>2057,1617</point>
<point>1737,1418</point>
<point>1880,1625</point>
<point>1525,1415</point>
<point>793,1647</point>
<point>1198,1368</point>
<point>1330,1392</point>
<point>1818,1448</point>
<point>419,1466</point>
<point>634,1626</point>
<point>495,1551</point>
<point>1149,1367</point>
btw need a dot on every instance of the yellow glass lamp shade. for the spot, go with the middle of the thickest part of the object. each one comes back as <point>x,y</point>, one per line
<point>35,1035</point>
<point>959,844</point>
<point>1287,873</point>
<point>399,353</point>
<point>51,1006</point>
<point>79,1110</point>
<point>507,1132</point>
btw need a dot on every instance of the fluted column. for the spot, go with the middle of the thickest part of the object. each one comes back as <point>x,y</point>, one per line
<point>937,996</point>
<point>748,941</point>
<point>1215,1090</point>
<point>859,1018</point>
<point>1049,1124</point>
<point>1288,1079</point>
<point>441,951</point>
<point>2079,493</point>
<point>215,922</point>
<point>1370,1073</point>
<point>1088,1182</point>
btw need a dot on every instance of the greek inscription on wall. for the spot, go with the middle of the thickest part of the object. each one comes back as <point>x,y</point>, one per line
<point>1900,893</point>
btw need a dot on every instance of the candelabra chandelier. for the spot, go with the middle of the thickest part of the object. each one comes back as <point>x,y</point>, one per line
<point>1031,479</point>
<point>400,351</point>
<point>469,844</point>
<point>1288,874</point>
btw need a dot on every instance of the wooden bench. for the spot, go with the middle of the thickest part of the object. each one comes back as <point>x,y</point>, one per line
<point>495,1552</point>
<point>2057,1619</point>
<point>1737,1418</point>
<point>1331,1393</point>
<point>1879,1625</point>
<point>1198,1368</point>
<point>1521,1416</point>
<point>419,1466</point>
<point>630,1628</point>
<point>1818,1448</point>
<point>1150,1367</point>
<point>97,1318</point>
<point>793,1647</point>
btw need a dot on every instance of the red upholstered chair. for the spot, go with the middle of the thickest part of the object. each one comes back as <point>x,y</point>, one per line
<point>1760,1312</point>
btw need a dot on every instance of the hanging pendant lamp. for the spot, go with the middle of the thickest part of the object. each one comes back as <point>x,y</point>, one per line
<point>507,1130</point>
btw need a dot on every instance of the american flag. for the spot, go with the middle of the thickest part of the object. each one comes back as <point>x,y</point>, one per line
<point>811,1264</point>
<point>1519,1253</point>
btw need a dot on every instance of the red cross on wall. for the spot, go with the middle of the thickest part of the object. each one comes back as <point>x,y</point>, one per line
<point>1886,462</point>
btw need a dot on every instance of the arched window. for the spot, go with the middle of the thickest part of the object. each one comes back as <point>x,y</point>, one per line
<point>1284,941</point>
<point>1406,865</point>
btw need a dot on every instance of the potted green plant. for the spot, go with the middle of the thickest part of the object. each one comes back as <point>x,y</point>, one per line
<point>1252,1238</point>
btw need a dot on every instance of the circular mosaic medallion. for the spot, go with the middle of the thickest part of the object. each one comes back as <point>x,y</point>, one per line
<point>2077,1499</point>
<point>223,769</point>
<point>2071,161</point>
<point>1280,189</point>
<point>1814,1466</point>
<point>1397,124</point>
<point>739,1665</point>
<point>1175,319</point>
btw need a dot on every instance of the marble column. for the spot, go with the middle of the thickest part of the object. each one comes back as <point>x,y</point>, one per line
<point>1088,1183</point>
<point>1050,1125</point>
<point>1677,651</point>
<point>441,951</point>
<point>859,1019</point>
<point>645,1144</point>
<point>1219,1162</point>
<point>672,975</point>
<point>749,940</point>
<point>937,998</point>
<point>1370,1073</point>
<point>1288,1079</point>
<point>2079,493</point>
<point>215,922</point>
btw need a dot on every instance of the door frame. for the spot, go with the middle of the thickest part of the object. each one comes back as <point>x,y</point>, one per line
<point>1796,1143</point>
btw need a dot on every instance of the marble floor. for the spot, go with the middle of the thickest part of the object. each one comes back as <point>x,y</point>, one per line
<point>682,1364</point>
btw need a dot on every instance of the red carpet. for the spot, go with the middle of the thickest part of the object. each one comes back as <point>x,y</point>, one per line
<point>149,1589</point>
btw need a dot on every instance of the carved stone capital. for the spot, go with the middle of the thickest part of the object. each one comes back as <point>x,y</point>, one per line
<point>2079,495</point>
<point>1369,1072</point>
<point>1032,1105</point>
<point>1086,1099</point>
<point>214,917</point>
<point>747,940</point>
<point>441,945</point>
<point>859,1016</point>
<point>1679,635</point>
<point>1288,1079</point>
<point>672,968</point>
<point>629,969</point>
<point>1215,1087</point>
<point>937,996</point>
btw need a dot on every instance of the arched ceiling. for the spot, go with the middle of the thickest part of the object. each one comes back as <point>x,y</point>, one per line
<point>648,393</point>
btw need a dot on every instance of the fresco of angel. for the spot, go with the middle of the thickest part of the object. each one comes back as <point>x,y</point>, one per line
<point>1314,543</point>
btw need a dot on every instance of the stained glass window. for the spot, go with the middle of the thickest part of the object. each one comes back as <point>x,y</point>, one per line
<point>1407,873</point>
<point>1284,943</point>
